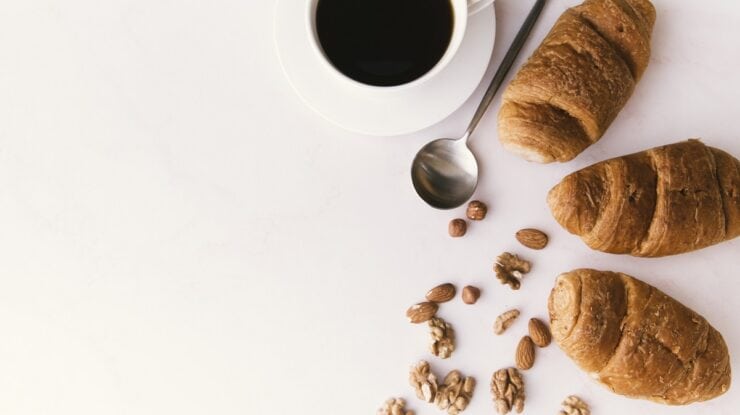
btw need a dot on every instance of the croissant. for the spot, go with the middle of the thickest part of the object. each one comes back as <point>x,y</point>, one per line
<point>636,340</point>
<point>664,201</point>
<point>574,85</point>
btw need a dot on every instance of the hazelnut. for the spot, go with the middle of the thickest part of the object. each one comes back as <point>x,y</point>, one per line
<point>476,210</point>
<point>457,228</point>
<point>470,294</point>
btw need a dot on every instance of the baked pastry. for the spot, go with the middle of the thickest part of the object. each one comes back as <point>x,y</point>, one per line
<point>636,340</point>
<point>664,201</point>
<point>574,85</point>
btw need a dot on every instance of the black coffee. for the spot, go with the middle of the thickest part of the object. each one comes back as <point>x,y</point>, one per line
<point>384,42</point>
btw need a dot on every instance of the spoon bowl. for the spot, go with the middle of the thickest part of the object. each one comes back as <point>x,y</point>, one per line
<point>445,173</point>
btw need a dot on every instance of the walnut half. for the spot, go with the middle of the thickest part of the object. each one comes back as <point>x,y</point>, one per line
<point>455,393</point>
<point>507,387</point>
<point>423,381</point>
<point>394,406</point>
<point>573,405</point>
<point>510,269</point>
<point>443,338</point>
<point>504,321</point>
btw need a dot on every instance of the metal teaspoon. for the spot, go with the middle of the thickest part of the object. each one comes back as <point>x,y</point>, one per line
<point>445,171</point>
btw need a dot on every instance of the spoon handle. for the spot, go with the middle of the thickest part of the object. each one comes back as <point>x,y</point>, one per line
<point>506,64</point>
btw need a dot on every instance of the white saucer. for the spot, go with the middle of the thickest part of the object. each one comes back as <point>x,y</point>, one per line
<point>370,112</point>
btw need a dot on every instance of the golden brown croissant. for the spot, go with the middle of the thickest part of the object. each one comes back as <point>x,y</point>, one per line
<point>574,85</point>
<point>636,340</point>
<point>664,201</point>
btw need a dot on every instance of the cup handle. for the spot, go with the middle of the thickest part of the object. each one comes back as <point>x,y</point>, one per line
<point>474,6</point>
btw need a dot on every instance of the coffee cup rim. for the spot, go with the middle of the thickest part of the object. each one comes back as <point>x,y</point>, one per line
<point>458,33</point>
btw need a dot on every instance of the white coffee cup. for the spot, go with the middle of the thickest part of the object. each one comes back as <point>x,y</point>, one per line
<point>461,10</point>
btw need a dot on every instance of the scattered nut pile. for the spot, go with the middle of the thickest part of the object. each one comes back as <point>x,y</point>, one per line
<point>507,385</point>
<point>443,335</point>
<point>455,392</point>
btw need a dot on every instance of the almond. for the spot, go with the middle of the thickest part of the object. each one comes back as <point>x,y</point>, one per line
<point>470,294</point>
<point>525,353</point>
<point>539,332</point>
<point>532,238</point>
<point>441,293</point>
<point>419,313</point>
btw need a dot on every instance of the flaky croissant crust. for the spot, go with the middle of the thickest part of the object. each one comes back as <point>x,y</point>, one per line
<point>636,340</point>
<point>574,85</point>
<point>663,201</point>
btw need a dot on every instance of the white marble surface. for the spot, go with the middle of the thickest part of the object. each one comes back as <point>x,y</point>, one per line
<point>180,235</point>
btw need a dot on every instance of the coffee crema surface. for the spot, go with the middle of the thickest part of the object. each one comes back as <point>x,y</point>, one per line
<point>384,42</point>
